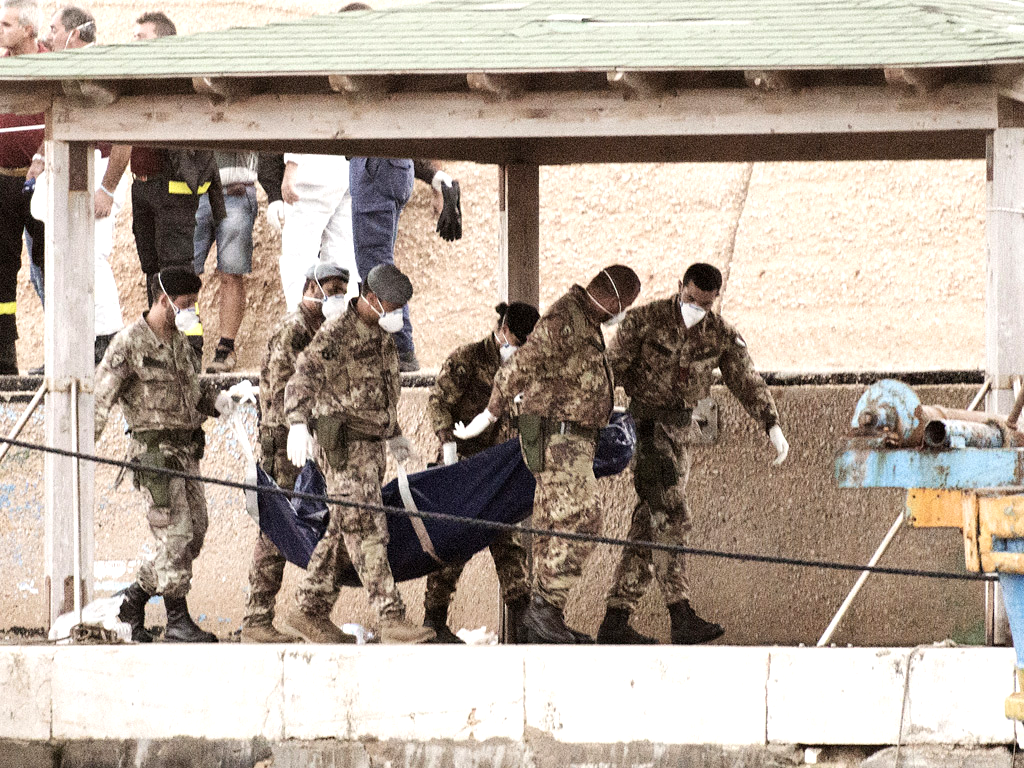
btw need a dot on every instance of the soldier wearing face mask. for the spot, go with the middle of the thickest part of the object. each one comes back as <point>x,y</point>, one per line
<point>149,369</point>
<point>566,385</point>
<point>323,297</point>
<point>664,356</point>
<point>461,391</point>
<point>346,388</point>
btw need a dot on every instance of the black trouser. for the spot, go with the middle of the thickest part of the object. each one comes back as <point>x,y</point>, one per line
<point>14,219</point>
<point>164,226</point>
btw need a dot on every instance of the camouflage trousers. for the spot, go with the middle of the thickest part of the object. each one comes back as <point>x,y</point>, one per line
<point>565,500</point>
<point>179,529</point>
<point>267,568</point>
<point>354,534</point>
<point>660,472</point>
<point>509,556</point>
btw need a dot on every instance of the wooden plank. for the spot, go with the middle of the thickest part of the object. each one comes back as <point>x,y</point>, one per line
<point>935,508</point>
<point>533,115</point>
<point>1004,322</point>
<point>91,93</point>
<point>68,354</point>
<point>918,79</point>
<point>519,233</point>
<point>25,99</point>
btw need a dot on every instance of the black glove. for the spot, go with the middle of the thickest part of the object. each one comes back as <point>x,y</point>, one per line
<point>449,223</point>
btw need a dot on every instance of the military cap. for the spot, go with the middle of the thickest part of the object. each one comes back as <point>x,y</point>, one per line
<point>179,281</point>
<point>389,283</point>
<point>520,317</point>
<point>325,270</point>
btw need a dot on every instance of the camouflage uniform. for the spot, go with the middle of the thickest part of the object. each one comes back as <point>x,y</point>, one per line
<point>665,369</point>
<point>267,569</point>
<point>158,388</point>
<point>460,392</point>
<point>564,377</point>
<point>349,374</point>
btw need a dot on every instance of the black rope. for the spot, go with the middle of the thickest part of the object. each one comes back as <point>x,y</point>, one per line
<point>569,535</point>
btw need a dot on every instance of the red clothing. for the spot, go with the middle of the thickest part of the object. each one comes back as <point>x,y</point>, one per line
<point>104,147</point>
<point>147,161</point>
<point>17,147</point>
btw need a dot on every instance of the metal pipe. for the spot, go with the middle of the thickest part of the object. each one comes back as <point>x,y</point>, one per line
<point>981,395</point>
<point>953,433</point>
<point>1018,406</point>
<point>76,505</point>
<point>36,399</point>
<point>830,630</point>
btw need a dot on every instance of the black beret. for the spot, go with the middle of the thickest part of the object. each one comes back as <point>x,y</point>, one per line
<point>390,284</point>
<point>179,281</point>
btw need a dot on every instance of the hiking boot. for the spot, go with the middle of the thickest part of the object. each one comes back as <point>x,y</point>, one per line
<point>223,361</point>
<point>133,613</point>
<point>180,627</point>
<point>317,629</point>
<point>515,629</point>
<point>690,629</point>
<point>437,620</point>
<point>615,630</point>
<point>407,362</point>
<point>401,631</point>
<point>545,624</point>
<point>580,638</point>
<point>266,633</point>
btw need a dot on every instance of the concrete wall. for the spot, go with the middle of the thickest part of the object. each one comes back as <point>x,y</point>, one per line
<point>739,503</point>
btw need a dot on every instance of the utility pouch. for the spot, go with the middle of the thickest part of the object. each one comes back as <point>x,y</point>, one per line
<point>533,437</point>
<point>331,434</point>
<point>157,483</point>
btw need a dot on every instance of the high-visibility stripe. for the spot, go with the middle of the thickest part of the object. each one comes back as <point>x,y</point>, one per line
<point>8,307</point>
<point>181,188</point>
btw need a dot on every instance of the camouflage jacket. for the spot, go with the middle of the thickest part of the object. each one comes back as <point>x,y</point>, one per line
<point>155,382</point>
<point>561,370</point>
<point>292,336</point>
<point>461,391</point>
<point>663,365</point>
<point>350,370</point>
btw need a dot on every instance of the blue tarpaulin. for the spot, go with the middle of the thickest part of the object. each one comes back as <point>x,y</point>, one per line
<point>492,485</point>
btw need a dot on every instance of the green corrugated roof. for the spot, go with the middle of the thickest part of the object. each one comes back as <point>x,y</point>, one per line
<point>571,35</point>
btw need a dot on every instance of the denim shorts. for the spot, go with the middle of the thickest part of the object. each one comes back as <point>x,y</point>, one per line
<point>233,235</point>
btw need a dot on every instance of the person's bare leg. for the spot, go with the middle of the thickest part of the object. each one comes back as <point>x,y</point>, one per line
<point>232,306</point>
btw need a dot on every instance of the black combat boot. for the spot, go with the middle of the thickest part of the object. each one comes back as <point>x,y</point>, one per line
<point>690,629</point>
<point>615,630</point>
<point>437,620</point>
<point>180,627</point>
<point>545,624</point>
<point>516,630</point>
<point>133,613</point>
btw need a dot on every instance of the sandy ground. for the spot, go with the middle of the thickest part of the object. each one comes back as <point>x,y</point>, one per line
<point>829,265</point>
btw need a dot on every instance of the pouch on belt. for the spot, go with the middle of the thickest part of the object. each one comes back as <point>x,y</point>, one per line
<point>533,437</point>
<point>333,439</point>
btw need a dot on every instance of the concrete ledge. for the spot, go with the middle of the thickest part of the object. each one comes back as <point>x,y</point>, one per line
<point>724,696</point>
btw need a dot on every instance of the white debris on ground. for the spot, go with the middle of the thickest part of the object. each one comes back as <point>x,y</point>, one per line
<point>99,614</point>
<point>478,636</point>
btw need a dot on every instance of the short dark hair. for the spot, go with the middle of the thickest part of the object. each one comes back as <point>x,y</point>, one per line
<point>161,23</point>
<point>355,7</point>
<point>178,281</point>
<point>707,277</point>
<point>519,316</point>
<point>73,17</point>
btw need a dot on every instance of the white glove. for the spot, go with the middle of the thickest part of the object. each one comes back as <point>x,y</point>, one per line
<point>780,444</point>
<point>441,178</point>
<point>224,405</point>
<point>400,448</point>
<point>451,453</point>
<point>479,423</point>
<point>244,391</point>
<point>276,215</point>
<point>300,445</point>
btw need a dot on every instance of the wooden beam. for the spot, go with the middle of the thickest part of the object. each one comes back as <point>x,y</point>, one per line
<point>22,99</point>
<point>519,233</point>
<point>504,86</point>
<point>922,80</point>
<point>569,115</point>
<point>772,79</point>
<point>639,83</point>
<point>68,356</point>
<point>1010,79</point>
<point>222,89</point>
<point>368,84</point>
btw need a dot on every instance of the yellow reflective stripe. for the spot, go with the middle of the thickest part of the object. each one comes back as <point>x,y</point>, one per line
<point>8,307</point>
<point>196,331</point>
<point>181,188</point>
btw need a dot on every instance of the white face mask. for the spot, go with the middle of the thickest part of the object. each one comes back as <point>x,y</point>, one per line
<point>505,349</point>
<point>616,318</point>
<point>184,319</point>
<point>692,314</point>
<point>390,322</point>
<point>334,306</point>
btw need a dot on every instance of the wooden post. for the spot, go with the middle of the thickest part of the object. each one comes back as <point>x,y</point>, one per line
<point>519,233</point>
<point>69,356</point>
<point>1004,322</point>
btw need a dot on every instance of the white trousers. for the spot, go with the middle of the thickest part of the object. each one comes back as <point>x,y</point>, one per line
<point>319,225</point>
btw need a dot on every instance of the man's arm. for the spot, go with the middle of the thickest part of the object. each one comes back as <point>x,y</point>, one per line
<point>448,388</point>
<point>624,349</point>
<point>103,199</point>
<point>270,174</point>
<point>111,376</point>
<point>746,384</point>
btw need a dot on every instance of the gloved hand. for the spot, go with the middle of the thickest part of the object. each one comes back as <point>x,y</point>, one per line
<point>451,453</point>
<point>300,445</point>
<point>224,404</point>
<point>400,448</point>
<point>449,223</point>
<point>244,391</point>
<point>276,215</point>
<point>479,423</point>
<point>780,444</point>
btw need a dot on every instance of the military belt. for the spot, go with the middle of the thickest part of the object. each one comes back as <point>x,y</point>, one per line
<point>676,417</point>
<point>571,428</point>
<point>152,438</point>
